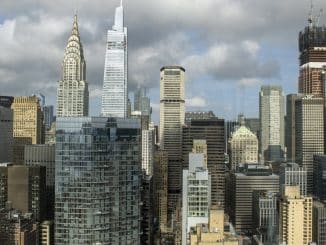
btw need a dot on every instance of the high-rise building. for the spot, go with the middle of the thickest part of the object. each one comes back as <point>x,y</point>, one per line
<point>265,219</point>
<point>243,146</point>
<point>142,102</point>
<point>319,176</point>
<point>254,125</point>
<point>46,231</point>
<point>43,155</point>
<point>115,84</point>
<point>212,130</point>
<point>309,128</point>
<point>147,210</point>
<point>28,125</point>
<point>6,134</point>
<point>196,194</point>
<point>319,222</point>
<point>72,91</point>
<point>147,151</point>
<point>3,184</point>
<point>290,126</point>
<point>271,114</point>
<point>312,48</point>
<point>292,174</point>
<point>48,116</point>
<point>97,181</point>
<point>17,229</point>
<point>172,118</point>
<point>295,217</point>
<point>240,187</point>
<point>6,101</point>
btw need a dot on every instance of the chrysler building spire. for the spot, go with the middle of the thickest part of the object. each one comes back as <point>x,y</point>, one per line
<point>72,93</point>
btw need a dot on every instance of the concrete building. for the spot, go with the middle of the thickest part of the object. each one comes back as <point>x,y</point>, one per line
<point>240,187</point>
<point>309,118</point>
<point>319,223</point>
<point>46,231</point>
<point>147,151</point>
<point>115,82</point>
<point>265,218</point>
<point>214,231</point>
<point>271,114</point>
<point>172,118</point>
<point>292,174</point>
<point>290,126</point>
<point>319,175</point>
<point>211,129</point>
<point>28,125</point>
<point>72,91</point>
<point>97,182</point>
<point>243,146</point>
<point>295,217</point>
<point>196,194</point>
<point>6,134</point>
<point>50,135</point>
<point>17,229</point>
<point>44,155</point>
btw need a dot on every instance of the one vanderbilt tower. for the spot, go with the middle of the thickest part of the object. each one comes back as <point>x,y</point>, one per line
<point>115,84</point>
<point>72,93</point>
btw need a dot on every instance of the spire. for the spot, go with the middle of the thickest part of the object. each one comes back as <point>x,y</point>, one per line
<point>75,26</point>
<point>121,3</point>
<point>119,18</point>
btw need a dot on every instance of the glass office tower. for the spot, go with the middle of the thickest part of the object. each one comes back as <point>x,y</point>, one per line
<point>97,181</point>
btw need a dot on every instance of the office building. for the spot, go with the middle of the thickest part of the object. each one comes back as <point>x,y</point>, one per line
<point>46,232</point>
<point>240,187</point>
<point>254,125</point>
<point>309,131</point>
<point>312,48</point>
<point>50,135</point>
<point>243,146</point>
<point>6,134</point>
<point>72,91</point>
<point>161,189</point>
<point>147,210</point>
<point>97,182</point>
<point>115,84</point>
<point>265,217</point>
<point>211,130</point>
<point>142,101</point>
<point>3,184</point>
<point>214,232</point>
<point>271,114</point>
<point>198,115</point>
<point>196,194</point>
<point>43,155</point>
<point>28,125</point>
<point>17,229</point>
<point>147,152</point>
<point>48,116</point>
<point>292,174</point>
<point>295,217</point>
<point>27,190</point>
<point>319,176</point>
<point>172,118</point>
<point>6,101</point>
<point>319,222</point>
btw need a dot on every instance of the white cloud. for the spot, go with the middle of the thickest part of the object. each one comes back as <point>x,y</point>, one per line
<point>196,102</point>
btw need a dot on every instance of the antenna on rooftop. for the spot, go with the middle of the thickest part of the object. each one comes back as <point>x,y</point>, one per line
<point>310,17</point>
<point>318,17</point>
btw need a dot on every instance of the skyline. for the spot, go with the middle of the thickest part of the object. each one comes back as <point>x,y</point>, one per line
<point>208,51</point>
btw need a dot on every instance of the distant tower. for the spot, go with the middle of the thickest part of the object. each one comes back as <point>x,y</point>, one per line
<point>172,118</point>
<point>271,112</point>
<point>72,93</point>
<point>115,84</point>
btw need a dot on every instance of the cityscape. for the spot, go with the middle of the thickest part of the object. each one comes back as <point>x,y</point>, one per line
<point>130,171</point>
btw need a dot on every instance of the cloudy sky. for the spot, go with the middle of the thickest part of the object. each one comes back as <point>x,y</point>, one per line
<point>229,48</point>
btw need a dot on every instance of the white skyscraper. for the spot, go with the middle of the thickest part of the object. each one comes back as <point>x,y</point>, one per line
<point>115,84</point>
<point>72,92</point>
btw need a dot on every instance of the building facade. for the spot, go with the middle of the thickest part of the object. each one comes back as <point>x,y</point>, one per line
<point>172,117</point>
<point>27,126</point>
<point>295,217</point>
<point>147,151</point>
<point>48,116</point>
<point>97,181</point>
<point>72,91</point>
<point>271,114</point>
<point>115,84</point>
<point>319,222</point>
<point>6,134</point>
<point>309,128</point>
<point>319,176</point>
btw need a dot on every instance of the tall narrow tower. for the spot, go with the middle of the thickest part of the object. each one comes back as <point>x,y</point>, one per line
<point>72,93</point>
<point>115,84</point>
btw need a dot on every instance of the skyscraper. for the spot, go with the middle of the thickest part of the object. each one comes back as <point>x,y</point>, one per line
<point>48,116</point>
<point>312,47</point>
<point>309,132</point>
<point>142,102</point>
<point>115,84</point>
<point>72,92</point>
<point>271,114</point>
<point>97,196</point>
<point>28,125</point>
<point>319,222</point>
<point>172,117</point>
<point>6,134</point>
<point>319,189</point>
